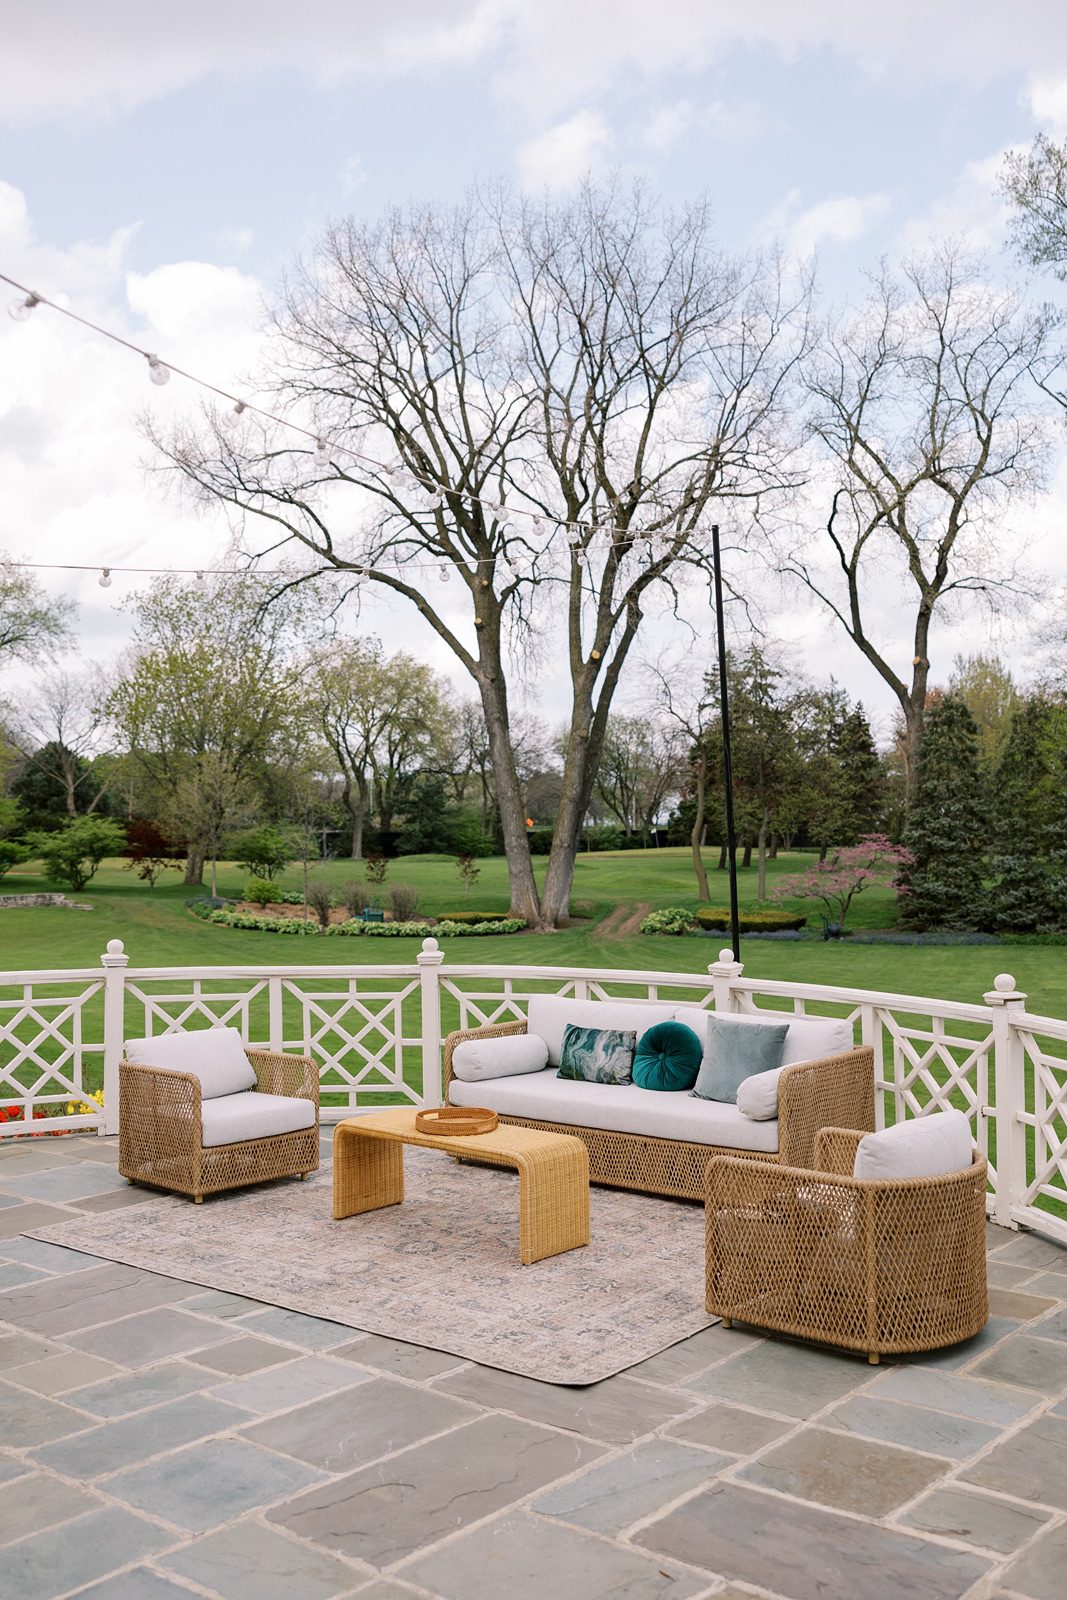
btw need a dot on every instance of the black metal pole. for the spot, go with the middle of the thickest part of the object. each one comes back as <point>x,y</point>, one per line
<point>727,763</point>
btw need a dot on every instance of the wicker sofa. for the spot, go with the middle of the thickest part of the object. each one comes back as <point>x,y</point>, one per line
<point>683,1134</point>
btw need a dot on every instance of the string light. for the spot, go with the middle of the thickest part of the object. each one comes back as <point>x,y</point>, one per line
<point>104,579</point>
<point>21,309</point>
<point>201,580</point>
<point>160,373</point>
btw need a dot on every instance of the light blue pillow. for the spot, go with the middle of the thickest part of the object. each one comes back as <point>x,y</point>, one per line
<point>736,1051</point>
<point>597,1055</point>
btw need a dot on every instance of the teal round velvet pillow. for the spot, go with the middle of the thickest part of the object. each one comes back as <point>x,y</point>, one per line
<point>668,1057</point>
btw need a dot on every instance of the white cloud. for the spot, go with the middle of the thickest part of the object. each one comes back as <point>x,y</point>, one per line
<point>353,174</point>
<point>561,157</point>
<point>842,220</point>
<point>1047,98</point>
<point>668,125</point>
<point>237,241</point>
<point>973,207</point>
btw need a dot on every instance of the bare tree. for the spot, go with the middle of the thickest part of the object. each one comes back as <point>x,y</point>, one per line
<point>641,764</point>
<point>597,365</point>
<point>689,700</point>
<point>59,725</point>
<point>1035,184</point>
<point>928,430</point>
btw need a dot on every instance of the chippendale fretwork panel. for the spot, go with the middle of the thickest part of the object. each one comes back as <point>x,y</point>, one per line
<point>46,1042</point>
<point>1045,1119</point>
<point>362,1038</point>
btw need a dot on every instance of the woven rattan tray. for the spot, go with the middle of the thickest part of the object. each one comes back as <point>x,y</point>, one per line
<point>451,1121</point>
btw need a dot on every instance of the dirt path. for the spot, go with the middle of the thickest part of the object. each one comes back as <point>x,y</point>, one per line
<point>620,923</point>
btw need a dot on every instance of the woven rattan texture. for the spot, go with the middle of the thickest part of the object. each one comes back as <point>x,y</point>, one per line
<point>160,1130</point>
<point>837,1091</point>
<point>368,1173</point>
<point>882,1267</point>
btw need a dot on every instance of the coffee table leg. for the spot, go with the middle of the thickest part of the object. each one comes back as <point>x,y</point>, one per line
<point>553,1201</point>
<point>368,1173</point>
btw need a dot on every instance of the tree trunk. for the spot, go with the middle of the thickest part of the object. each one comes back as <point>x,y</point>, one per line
<point>721,864</point>
<point>194,865</point>
<point>823,848</point>
<point>512,812</point>
<point>764,830</point>
<point>746,859</point>
<point>697,835</point>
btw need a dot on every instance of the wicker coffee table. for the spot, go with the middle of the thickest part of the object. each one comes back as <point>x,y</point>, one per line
<point>553,1168</point>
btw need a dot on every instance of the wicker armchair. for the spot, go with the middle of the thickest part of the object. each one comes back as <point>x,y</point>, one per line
<point>161,1129</point>
<point>886,1267</point>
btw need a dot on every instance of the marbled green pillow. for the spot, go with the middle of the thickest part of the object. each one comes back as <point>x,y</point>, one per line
<point>736,1051</point>
<point>597,1055</point>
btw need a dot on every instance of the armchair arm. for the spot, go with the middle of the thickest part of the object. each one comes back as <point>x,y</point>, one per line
<point>296,1076</point>
<point>496,1030</point>
<point>155,1095</point>
<point>835,1150</point>
<point>834,1092</point>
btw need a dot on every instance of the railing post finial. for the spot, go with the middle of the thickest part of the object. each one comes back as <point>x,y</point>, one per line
<point>1009,1082</point>
<point>724,973</point>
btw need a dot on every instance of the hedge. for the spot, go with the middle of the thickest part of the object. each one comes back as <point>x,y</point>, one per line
<point>225,917</point>
<point>715,918</point>
<point>473,916</point>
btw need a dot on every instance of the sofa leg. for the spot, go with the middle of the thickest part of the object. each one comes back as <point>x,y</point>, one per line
<point>198,1199</point>
<point>727,1322</point>
<point>873,1358</point>
<point>303,1176</point>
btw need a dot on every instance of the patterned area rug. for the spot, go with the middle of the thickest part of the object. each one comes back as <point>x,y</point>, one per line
<point>441,1270</point>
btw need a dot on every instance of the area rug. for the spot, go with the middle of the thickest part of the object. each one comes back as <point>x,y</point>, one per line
<point>441,1270</point>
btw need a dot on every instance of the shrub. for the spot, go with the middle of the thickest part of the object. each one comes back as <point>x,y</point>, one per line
<point>377,866</point>
<point>468,870</point>
<point>473,917</point>
<point>718,919</point>
<point>264,851</point>
<point>397,930</point>
<point>403,901</point>
<point>259,891</point>
<point>672,919</point>
<point>354,898</point>
<point>467,930</point>
<point>72,854</point>
<point>12,855</point>
<point>321,901</point>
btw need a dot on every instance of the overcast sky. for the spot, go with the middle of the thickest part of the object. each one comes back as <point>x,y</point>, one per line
<point>159,168</point>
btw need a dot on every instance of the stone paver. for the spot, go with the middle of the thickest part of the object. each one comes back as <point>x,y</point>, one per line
<point>111,1445</point>
<point>1039,1571</point>
<point>843,1472</point>
<point>1030,1464</point>
<point>611,1497</point>
<point>282,1388</point>
<point>790,1378</point>
<point>74,1554</point>
<point>160,1440</point>
<point>730,1428</point>
<point>937,1432</point>
<point>980,1519</point>
<point>616,1410</point>
<point>528,1559</point>
<point>374,1419</point>
<point>210,1483</point>
<point>805,1552</point>
<point>251,1562</point>
<point>23,1218</point>
<point>390,1510</point>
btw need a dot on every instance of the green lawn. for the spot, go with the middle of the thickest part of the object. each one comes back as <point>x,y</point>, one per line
<point>158,931</point>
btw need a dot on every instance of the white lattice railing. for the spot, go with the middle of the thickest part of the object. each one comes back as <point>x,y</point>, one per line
<point>376,1033</point>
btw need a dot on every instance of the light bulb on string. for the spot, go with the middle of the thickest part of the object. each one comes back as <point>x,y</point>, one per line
<point>104,579</point>
<point>157,370</point>
<point>321,457</point>
<point>444,573</point>
<point>200,579</point>
<point>437,499</point>
<point>231,418</point>
<point>360,578</point>
<point>20,310</point>
<point>538,525</point>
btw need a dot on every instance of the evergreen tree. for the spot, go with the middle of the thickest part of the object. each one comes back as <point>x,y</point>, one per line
<point>1030,821</point>
<point>946,828</point>
<point>859,777</point>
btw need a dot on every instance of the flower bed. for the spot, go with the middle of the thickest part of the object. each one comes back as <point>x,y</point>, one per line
<point>352,928</point>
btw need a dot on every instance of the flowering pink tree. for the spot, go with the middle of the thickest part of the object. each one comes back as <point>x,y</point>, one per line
<point>875,861</point>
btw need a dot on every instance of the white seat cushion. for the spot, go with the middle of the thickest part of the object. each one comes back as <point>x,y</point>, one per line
<point>229,1118</point>
<point>549,1014</point>
<point>214,1055</point>
<point>619,1108</point>
<point>924,1147</point>
<point>475,1059</point>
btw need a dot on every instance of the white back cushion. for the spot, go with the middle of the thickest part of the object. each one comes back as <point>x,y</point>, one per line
<point>757,1097</point>
<point>925,1147</point>
<point>808,1039</point>
<point>548,1015</point>
<point>214,1055</point>
<point>516,1053</point>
